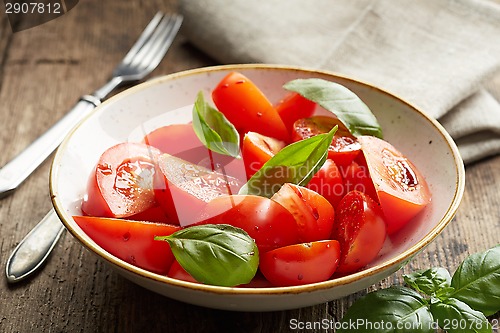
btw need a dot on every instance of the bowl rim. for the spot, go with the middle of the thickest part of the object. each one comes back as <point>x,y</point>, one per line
<point>400,259</point>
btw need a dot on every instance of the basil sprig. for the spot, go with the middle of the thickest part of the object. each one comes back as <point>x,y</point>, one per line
<point>341,101</point>
<point>434,300</point>
<point>220,255</point>
<point>296,163</point>
<point>387,309</point>
<point>214,130</point>
<point>477,281</point>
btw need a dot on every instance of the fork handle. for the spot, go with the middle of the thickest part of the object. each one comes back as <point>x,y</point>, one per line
<point>35,248</point>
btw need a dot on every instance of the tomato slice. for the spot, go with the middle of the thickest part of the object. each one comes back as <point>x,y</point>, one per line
<point>360,229</point>
<point>131,241</point>
<point>294,107</point>
<point>266,221</point>
<point>301,263</point>
<point>328,182</point>
<point>177,272</point>
<point>357,178</point>
<point>122,182</point>
<point>313,214</point>
<point>183,188</point>
<point>344,147</point>
<point>247,108</point>
<point>257,150</point>
<point>402,190</point>
<point>178,140</point>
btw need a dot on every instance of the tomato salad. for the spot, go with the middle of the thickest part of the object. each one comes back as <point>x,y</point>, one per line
<point>253,194</point>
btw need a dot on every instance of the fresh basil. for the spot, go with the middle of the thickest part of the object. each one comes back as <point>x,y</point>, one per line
<point>296,163</point>
<point>220,255</point>
<point>214,130</point>
<point>477,281</point>
<point>430,282</point>
<point>455,304</point>
<point>396,309</point>
<point>453,315</point>
<point>341,101</point>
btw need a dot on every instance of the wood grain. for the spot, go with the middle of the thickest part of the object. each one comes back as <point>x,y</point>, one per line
<point>43,71</point>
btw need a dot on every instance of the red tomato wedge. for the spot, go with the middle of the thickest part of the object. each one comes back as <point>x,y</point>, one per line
<point>247,108</point>
<point>257,150</point>
<point>266,221</point>
<point>122,183</point>
<point>344,147</point>
<point>294,107</point>
<point>313,214</point>
<point>131,241</point>
<point>178,140</point>
<point>357,178</point>
<point>301,263</point>
<point>401,189</point>
<point>328,182</point>
<point>183,188</point>
<point>177,272</point>
<point>360,229</point>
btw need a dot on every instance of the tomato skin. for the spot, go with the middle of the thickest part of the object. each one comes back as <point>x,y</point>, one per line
<point>257,149</point>
<point>266,221</point>
<point>178,140</point>
<point>247,108</point>
<point>131,241</point>
<point>344,147</point>
<point>183,189</point>
<point>301,264</point>
<point>177,272</point>
<point>181,141</point>
<point>294,107</point>
<point>93,203</point>
<point>313,214</point>
<point>357,178</point>
<point>360,229</point>
<point>328,182</point>
<point>152,214</point>
<point>401,189</point>
<point>114,189</point>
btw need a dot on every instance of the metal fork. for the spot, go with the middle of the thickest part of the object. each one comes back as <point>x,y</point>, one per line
<point>143,57</point>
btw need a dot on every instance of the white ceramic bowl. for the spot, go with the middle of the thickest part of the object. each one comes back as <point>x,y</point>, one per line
<point>130,114</point>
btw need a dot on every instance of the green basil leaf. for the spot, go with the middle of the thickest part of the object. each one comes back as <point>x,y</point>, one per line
<point>477,281</point>
<point>296,164</point>
<point>214,130</point>
<point>220,255</point>
<point>453,315</point>
<point>336,98</point>
<point>429,281</point>
<point>396,309</point>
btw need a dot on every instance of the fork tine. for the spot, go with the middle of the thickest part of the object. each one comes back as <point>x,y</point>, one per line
<point>158,43</point>
<point>160,29</point>
<point>166,41</point>
<point>143,38</point>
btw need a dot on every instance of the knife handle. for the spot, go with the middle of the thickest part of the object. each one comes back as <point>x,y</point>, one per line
<point>35,248</point>
<point>18,169</point>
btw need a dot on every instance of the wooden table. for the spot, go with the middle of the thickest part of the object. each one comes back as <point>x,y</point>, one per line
<point>43,71</point>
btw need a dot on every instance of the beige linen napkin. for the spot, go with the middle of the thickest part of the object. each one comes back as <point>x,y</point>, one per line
<point>433,53</point>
